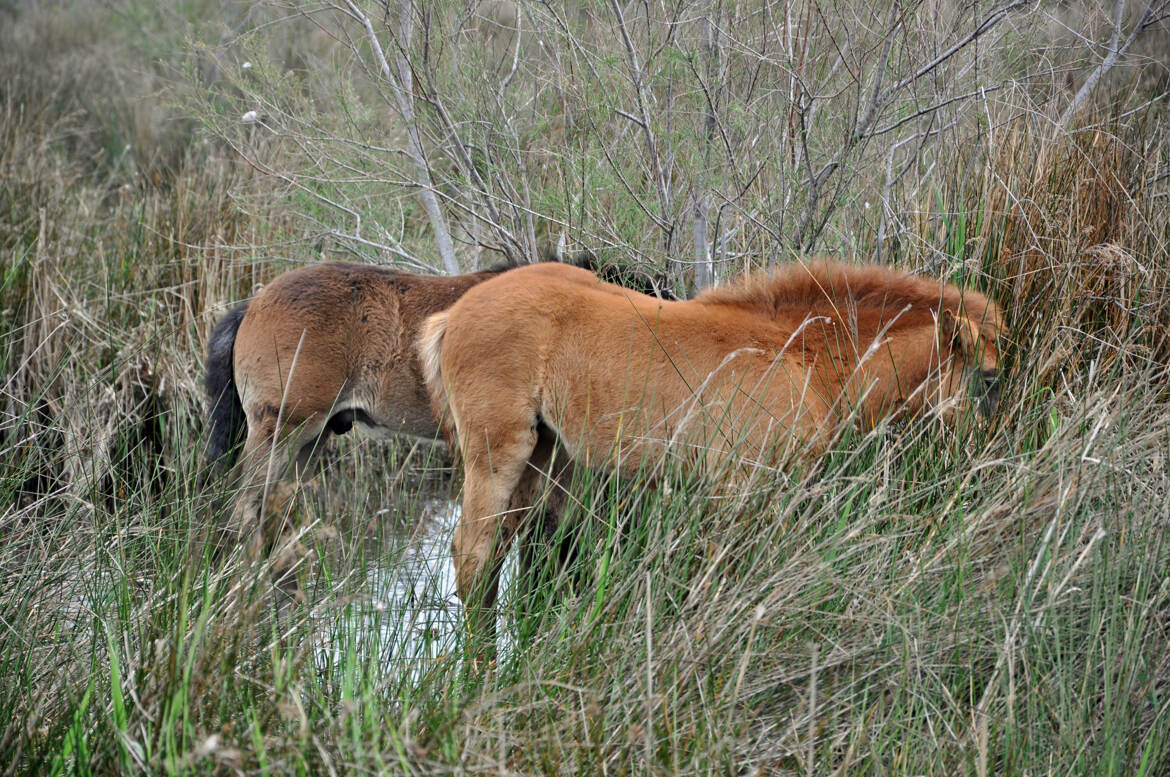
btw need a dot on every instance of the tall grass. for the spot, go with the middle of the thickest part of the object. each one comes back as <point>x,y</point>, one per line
<point>915,601</point>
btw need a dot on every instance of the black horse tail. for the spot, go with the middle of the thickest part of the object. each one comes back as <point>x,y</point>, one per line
<point>227,420</point>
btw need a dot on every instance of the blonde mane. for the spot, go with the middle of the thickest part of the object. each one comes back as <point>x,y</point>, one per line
<point>825,285</point>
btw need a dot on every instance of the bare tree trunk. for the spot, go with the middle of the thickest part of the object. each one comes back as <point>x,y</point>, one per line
<point>704,270</point>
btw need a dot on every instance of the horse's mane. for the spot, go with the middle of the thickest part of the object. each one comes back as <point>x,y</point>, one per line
<point>628,276</point>
<point>584,259</point>
<point>828,285</point>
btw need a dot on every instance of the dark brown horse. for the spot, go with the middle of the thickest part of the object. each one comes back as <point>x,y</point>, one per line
<point>321,350</point>
<point>620,378</point>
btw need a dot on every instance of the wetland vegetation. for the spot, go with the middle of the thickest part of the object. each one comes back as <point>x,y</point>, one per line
<point>914,601</point>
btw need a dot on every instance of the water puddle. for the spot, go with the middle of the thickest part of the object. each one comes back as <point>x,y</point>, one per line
<point>403,606</point>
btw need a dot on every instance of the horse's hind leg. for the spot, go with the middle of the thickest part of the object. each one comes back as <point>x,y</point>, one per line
<point>495,458</point>
<point>264,462</point>
<point>306,466</point>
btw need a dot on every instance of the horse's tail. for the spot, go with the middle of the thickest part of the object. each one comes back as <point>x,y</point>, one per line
<point>226,412</point>
<point>430,348</point>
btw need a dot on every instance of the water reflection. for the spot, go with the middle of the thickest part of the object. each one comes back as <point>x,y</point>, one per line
<point>403,607</point>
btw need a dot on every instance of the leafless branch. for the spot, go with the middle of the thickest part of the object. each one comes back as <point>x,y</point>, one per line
<point>931,109</point>
<point>993,19</point>
<point>1153,13</point>
<point>643,98</point>
<point>400,84</point>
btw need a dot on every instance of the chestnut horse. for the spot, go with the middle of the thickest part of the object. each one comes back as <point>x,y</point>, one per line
<point>323,349</point>
<point>620,378</point>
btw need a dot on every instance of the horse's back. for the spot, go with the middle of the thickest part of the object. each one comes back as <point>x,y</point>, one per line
<point>597,361</point>
<point>530,311</point>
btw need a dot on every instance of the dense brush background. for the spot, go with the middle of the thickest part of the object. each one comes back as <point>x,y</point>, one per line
<point>914,602</point>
